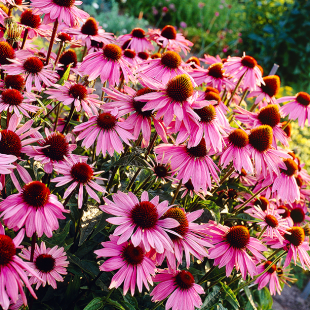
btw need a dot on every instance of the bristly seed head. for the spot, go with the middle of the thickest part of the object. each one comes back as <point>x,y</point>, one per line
<point>138,33</point>
<point>143,55</point>
<point>133,255</point>
<point>271,221</point>
<point>272,85</point>
<point>138,105</point>
<point>261,138</point>
<point>90,27</point>
<point>238,236</point>
<point>112,52</point>
<point>68,57</point>
<point>298,215</point>
<point>33,65</point>
<point>262,202</point>
<point>106,121</point>
<point>6,52</point>
<point>144,215</point>
<point>210,95</point>
<point>161,171</point>
<point>64,3</point>
<point>57,146</point>
<point>238,138</point>
<point>45,263</point>
<point>62,36</point>
<point>12,97</point>
<point>286,212</point>
<point>81,172</point>
<point>169,32</point>
<point>249,62</point>
<point>78,91</point>
<point>207,114</point>
<point>15,82</point>
<point>126,44</point>
<point>297,236</point>
<point>303,98</point>
<point>156,55</point>
<point>7,250</point>
<point>189,185</point>
<point>299,180</point>
<point>129,53</point>
<point>198,151</point>
<point>180,88</point>
<point>216,70</point>
<point>184,280</point>
<point>171,60</point>
<point>291,167</point>
<point>29,19</point>
<point>35,194</point>
<point>10,143</point>
<point>211,89</point>
<point>269,115</point>
<point>195,60</point>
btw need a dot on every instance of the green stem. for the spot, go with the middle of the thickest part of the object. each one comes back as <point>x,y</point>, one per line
<point>206,275</point>
<point>234,91</point>
<point>52,42</point>
<point>142,184</point>
<point>69,118</point>
<point>52,110</point>
<point>59,53</point>
<point>176,193</point>
<point>159,304</point>
<point>25,38</point>
<point>84,52</point>
<point>57,116</point>
<point>243,96</point>
<point>260,235</point>
<point>33,243</point>
<point>286,124</point>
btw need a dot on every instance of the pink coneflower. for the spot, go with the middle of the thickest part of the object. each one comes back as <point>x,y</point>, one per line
<point>13,141</point>
<point>140,120</point>
<point>182,287</point>
<point>91,31</point>
<point>298,213</point>
<point>49,263</point>
<point>12,100</point>
<point>266,159</point>
<point>268,115</point>
<point>188,188</point>
<point>245,178</point>
<point>140,221</point>
<point>215,76</point>
<point>285,184</point>
<point>295,244</point>
<point>237,150</point>
<point>247,66</point>
<point>12,270</point>
<point>266,93</point>
<point>109,131</point>
<point>53,149</point>
<point>191,242</point>
<point>135,268</point>
<point>32,23</point>
<point>138,41</point>
<point>297,108</point>
<point>81,96</point>
<point>6,166</point>
<point>232,248</point>
<point>190,163</point>
<point>35,71</point>
<point>208,59</point>
<point>160,170</point>
<point>109,64</point>
<point>131,57</point>
<point>172,100</point>
<point>35,208</point>
<point>194,62</point>
<point>64,11</point>
<point>76,170</point>
<point>271,277</point>
<point>165,68</point>
<point>171,39</point>
<point>7,53</point>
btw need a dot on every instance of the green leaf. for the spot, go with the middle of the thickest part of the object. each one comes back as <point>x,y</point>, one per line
<point>220,307</point>
<point>115,304</point>
<point>211,299</point>
<point>95,304</point>
<point>230,296</point>
<point>101,224</point>
<point>72,290</point>
<point>128,306</point>
<point>86,230</point>
<point>239,187</point>
<point>58,238</point>
<point>265,299</point>
<point>131,300</point>
<point>89,267</point>
<point>65,76</point>
<point>250,297</point>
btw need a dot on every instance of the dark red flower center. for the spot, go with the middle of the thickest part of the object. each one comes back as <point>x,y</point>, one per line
<point>90,27</point>
<point>271,221</point>
<point>249,62</point>
<point>78,91</point>
<point>303,98</point>
<point>297,236</point>
<point>193,59</point>
<point>184,280</point>
<point>262,202</point>
<point>286,212</point>
<point>33,65</point>
<point>112,52</point>
<point>45,263</point>
<point>216,70</point>
<point>138,33</point>
<point>238,138</point>
<point>161,171</point>
<point>243,172</point>
<point>126,44</point>
<point>96,44</point>
<point>6,52</point>
<point>269,115</point>
<point>139,105</point>
<point>291,167</point>
<point>106,121</point>
<point>232,193</point>
<point>198,151</point>
<point>169,32</point>
<point>35,194</point>
<point>64,36</point>
<point>133,255</point>
<point>180,88</point>
<point>180,216</point>
<point>298,215</point>
<point>171,60</point>
<point>14,81</point>
<point>81,172</point>
<point>210,95</point>
<point>156,55</point>
<point>207,114</point>
<point>272,85</point>
<point>10,143</point>
<point>144,215</point>
<point>57,146</point>
<point>143,55</point>
<point>68,57</point>
<point>287,128</point>
<point>130,53</point>
<point>64,3</point>
<point>272,269</point>
<point>238,236</point>
<point>29,19</point>
<point>261,138</point>
<point>189,185</point>
<point>299,181</point>
<point>12,97</point>
<point>211,89</point>
<point>7,250</point>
